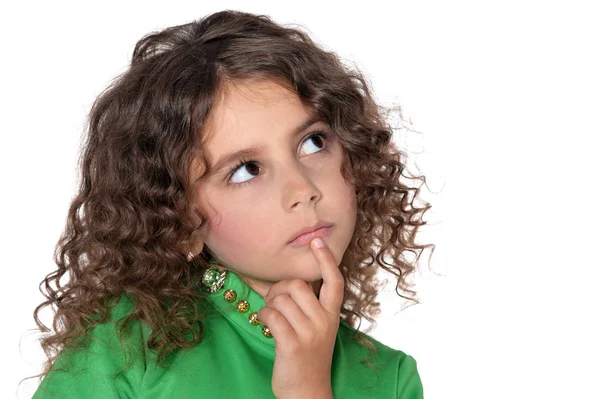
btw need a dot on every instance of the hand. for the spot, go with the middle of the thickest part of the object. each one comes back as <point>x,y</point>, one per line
<point>304,328</point>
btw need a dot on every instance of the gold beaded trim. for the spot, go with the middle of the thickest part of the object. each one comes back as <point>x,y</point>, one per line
<point>253,318</point>
<point>266,332</point>
<point>230,296</point>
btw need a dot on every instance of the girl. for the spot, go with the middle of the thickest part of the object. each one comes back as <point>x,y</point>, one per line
<point>239,192</point>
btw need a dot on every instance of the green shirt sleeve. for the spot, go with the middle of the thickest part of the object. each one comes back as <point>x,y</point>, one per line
<point>104,367</point>
<point>409,382</point>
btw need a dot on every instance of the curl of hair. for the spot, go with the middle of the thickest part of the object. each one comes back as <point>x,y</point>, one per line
<point>130,219</point>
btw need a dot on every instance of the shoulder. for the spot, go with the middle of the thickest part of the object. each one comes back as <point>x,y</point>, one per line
<point>122,306</point>
<point>402,365</point>
<point>116,334</point>
<point>109,362</point>
<point>350,338</point>
<point>118,322</point>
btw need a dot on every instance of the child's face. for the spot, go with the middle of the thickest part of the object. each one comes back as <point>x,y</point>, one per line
<point>294,183</point>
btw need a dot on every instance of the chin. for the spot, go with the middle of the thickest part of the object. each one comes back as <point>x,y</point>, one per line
<point>310,275</point>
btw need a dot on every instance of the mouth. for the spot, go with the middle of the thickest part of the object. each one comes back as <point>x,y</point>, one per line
<point>306,238</point>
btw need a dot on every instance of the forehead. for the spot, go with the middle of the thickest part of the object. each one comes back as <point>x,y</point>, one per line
<point>242,115</point>
<point>252,94</point>
<point>245,111</point>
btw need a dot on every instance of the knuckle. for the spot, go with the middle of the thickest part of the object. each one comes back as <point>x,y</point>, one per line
<point>275,316</point>
<point>338,282</point>
<point>280,300</point>
<point>298,285</point>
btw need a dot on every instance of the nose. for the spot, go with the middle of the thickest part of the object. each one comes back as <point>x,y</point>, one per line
<point>299,187</point>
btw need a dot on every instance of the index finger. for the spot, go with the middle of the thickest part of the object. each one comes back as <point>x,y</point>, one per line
<point>332,289</point>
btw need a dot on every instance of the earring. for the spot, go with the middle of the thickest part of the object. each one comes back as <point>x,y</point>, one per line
<point>190,256</point>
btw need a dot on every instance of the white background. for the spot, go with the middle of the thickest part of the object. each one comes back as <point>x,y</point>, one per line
<point>506,97</point>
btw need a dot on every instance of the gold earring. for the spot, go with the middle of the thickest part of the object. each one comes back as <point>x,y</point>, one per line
<point>190,256</point>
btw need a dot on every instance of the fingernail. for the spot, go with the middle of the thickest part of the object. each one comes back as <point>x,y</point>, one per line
<point>318,243</point>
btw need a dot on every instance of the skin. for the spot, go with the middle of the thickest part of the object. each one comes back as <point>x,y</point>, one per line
<point>295,182</point>
<point>304,329</point>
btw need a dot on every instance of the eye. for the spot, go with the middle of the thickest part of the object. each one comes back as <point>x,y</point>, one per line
<point>250,165</point>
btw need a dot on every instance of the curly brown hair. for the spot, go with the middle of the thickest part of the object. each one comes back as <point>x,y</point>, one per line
<point>130,223</point>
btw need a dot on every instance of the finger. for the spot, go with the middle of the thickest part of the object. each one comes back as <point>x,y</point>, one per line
<point>292,313</point>
<point>302,294</point>
<point>280,328</point>
<point>332,289</point>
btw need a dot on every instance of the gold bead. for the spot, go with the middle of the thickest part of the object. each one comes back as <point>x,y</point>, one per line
<point>253,318</point>
<point>243,306</point>
<point>266,332</point>
<point>230,295</point>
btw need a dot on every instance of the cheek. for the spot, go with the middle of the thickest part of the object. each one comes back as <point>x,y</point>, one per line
<point>349,193</point>
<point>237,235</point>
<point>344,193</point>
<point>350,204</point>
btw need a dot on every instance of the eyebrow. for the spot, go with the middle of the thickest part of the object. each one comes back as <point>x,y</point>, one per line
<point>255,151</point>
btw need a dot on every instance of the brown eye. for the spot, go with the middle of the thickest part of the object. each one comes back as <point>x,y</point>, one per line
<point>245,166</point>
<point>317,139</point>
<point>252,167</point>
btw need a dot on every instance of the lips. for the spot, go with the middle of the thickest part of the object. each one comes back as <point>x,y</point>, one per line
<point>320,229</point>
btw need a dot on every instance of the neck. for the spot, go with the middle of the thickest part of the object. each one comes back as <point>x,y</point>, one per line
<point>262,286</point>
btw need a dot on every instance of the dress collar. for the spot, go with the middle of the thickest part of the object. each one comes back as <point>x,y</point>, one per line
<point>238,302</point>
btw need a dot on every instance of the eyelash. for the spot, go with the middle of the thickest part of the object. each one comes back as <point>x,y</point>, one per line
<point>325,135</point>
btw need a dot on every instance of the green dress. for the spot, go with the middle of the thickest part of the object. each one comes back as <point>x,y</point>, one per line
<point>234,359</point>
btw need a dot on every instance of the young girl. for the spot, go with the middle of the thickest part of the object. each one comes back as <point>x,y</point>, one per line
<point>239,193</point>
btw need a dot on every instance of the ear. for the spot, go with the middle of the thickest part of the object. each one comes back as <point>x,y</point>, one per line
<point>194,244</point>
<point>197,244</point>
